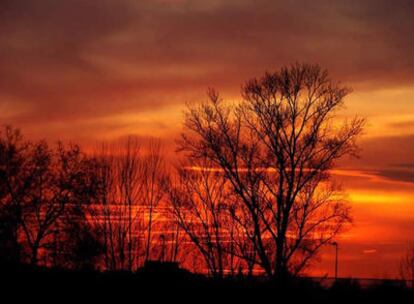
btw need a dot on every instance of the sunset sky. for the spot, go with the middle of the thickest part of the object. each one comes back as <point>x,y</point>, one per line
<point>86,71</point>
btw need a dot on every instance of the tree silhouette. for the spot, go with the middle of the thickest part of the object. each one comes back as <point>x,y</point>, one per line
<point>276,148</point>
<point>198,199</point>
<point>39,186</point>
<point>13,187</point>
<point>131,178</point>
<point>154,178</point>
<point>59,181</point>
<point>116,213</point>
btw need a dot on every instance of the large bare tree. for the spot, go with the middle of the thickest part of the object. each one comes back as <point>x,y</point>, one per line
<point>276,148</point>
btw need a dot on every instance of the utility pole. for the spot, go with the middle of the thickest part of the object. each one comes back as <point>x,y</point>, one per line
<point>336,260</point>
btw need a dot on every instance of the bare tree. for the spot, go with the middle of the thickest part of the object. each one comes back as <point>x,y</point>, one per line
<point>129,167</point>
<point>43,191</point>
<point>276,148</point>
<point>117,212</point>
<point>57,182</point>
<point>101,212</point>
<point>198,202</point>
<point>131,177</point>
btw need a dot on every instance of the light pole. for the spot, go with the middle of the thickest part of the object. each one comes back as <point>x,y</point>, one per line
<point>336,259</point>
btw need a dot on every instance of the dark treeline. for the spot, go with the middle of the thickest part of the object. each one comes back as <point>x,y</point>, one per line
<point>48,283</point>
<point>64,208</point>
<point>252,192</point>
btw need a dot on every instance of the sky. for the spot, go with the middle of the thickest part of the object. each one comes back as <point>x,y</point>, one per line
<point>86,71</point>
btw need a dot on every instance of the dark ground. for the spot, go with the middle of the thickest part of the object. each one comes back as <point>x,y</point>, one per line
<point>145,286</point>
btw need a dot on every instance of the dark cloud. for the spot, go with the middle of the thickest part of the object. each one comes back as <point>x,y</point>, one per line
<point>391,157</point>
<point>400,175</point>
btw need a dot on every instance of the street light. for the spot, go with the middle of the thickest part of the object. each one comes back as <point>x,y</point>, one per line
<point>336,259</point>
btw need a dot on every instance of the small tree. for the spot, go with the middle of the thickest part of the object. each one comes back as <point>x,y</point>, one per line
<point>198,201</point>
